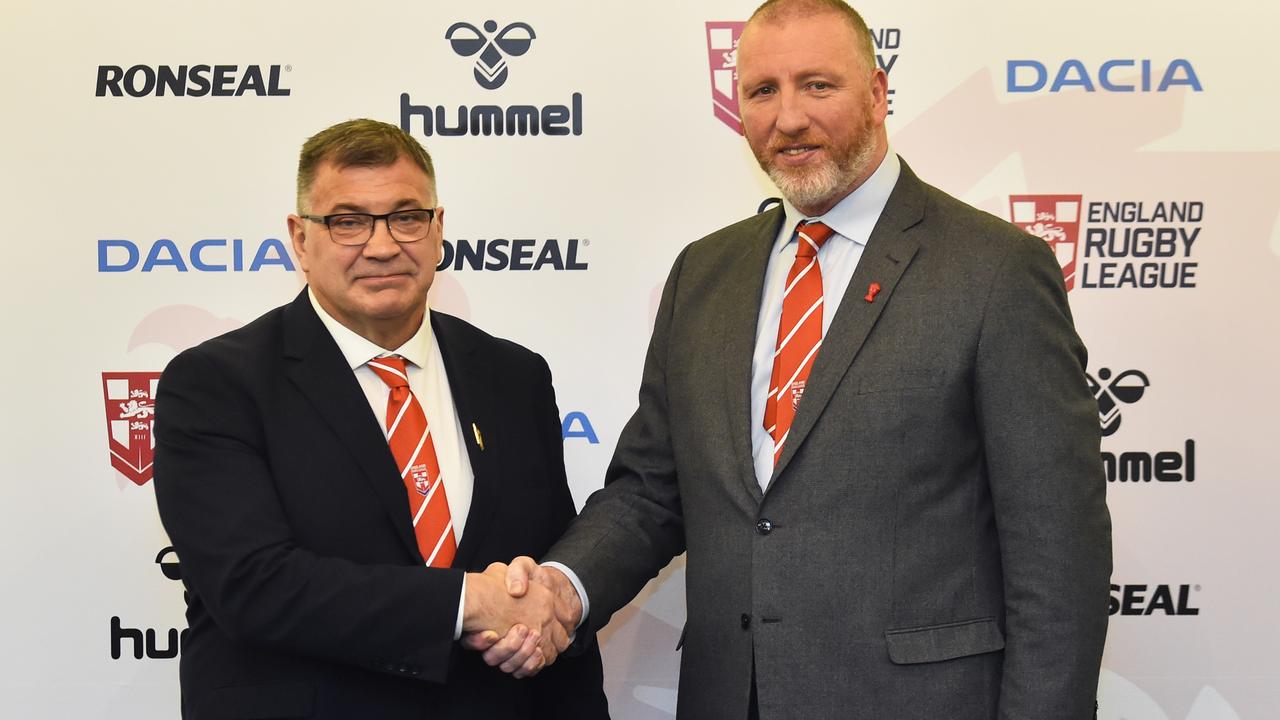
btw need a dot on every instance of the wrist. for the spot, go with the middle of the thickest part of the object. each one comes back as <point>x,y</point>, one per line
<point>477,606</point>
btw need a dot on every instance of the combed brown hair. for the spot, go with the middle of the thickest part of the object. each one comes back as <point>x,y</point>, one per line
<point>774,11</point>
<point>358,143</point>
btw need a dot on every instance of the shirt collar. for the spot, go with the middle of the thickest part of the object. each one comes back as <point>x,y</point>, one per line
<point>359,350</point>
<point>856,214</point>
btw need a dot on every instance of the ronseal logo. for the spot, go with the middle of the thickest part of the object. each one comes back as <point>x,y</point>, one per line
<point>1125,244</point>
<point>1174,600</point>
<point>513,254</point>
<point>491,72</point>
<point>191,80</point>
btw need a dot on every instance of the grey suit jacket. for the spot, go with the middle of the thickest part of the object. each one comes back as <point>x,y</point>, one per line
<point>934,542</point>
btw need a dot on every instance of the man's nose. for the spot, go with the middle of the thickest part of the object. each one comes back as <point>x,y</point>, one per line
<point>793,117</point>
<point>381,244</point>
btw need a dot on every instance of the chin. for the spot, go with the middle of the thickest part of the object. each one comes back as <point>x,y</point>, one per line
<point>391,311</point>
<point>808,189</point>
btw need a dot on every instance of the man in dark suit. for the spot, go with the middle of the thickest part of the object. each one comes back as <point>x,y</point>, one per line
<point>864,417</point>
<point>336,474</point>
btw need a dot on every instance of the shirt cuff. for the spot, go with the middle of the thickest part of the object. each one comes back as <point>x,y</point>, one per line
<point>577,586</point>
<point>462,600</point>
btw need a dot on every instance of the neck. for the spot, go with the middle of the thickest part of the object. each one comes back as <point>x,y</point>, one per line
<point>388,338</point>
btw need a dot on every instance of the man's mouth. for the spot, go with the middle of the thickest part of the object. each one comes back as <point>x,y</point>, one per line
<point>798,149</point>
<point>796,155</point>
<point>382,277</point>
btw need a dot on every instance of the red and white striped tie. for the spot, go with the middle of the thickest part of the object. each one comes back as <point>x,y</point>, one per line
<point>799,334</point>
<point>415,454</point>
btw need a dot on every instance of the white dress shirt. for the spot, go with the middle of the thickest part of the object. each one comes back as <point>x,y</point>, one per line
<point>430,384</point>
<point>852,219</point>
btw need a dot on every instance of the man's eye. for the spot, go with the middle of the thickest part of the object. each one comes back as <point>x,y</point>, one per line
<point>347,223</point>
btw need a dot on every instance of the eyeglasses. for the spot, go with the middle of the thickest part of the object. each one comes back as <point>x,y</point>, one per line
<point>405,226</point>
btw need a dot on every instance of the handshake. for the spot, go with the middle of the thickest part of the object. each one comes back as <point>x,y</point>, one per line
<point>519,616</point>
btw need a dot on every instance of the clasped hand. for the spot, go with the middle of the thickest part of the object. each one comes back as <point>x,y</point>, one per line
<point>519,616</point>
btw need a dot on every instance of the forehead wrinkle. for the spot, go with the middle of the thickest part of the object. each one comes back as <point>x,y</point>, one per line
<point>356,207</point>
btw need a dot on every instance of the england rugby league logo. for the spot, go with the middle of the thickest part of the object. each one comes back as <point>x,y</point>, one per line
<point>131,413</point>
<point>421,478</point>
<point>722,55</point>
<point>1054,219</point>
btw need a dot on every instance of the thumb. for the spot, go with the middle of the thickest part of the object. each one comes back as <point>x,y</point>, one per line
<point>519,573</point>
<point>480,641</point>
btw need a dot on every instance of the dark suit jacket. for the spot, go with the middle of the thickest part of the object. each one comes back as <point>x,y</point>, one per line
<point>937,542</point>
<point>308,596</point>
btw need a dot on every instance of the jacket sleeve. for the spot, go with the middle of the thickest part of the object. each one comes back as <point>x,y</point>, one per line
<point>573,687</point>
<point>629,530</point>
<point>1041,436</point>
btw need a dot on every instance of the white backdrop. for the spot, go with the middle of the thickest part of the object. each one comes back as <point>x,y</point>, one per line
<point>1186,373</point>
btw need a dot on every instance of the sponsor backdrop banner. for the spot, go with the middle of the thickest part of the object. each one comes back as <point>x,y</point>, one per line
<point>149,151</point>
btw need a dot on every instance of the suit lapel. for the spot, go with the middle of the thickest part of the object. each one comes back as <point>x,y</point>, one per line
<point>470,374</point>
<point>889,250</point>
<point>316,366</point>
<point>746,275</point>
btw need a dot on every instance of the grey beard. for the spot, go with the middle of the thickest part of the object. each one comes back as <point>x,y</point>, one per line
<point>818,186</point>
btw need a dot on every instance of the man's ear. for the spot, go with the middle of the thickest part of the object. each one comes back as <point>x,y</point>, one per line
<point>880,93</point>
<point>298,237</point>
<point>440,238</point>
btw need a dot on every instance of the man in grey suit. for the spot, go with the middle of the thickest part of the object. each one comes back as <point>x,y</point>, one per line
<point>930,539</point>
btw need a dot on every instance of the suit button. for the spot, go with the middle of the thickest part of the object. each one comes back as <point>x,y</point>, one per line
<point>764,527</point>
<point>745,620</point>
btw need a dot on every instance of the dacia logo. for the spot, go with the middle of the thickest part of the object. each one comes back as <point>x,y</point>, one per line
<point>1028,76</point>
<point>116,255</point>
<point>491,67</point>
<point>576,424</point>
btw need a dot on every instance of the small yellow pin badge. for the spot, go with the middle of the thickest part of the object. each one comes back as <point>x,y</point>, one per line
<point>479,438</point>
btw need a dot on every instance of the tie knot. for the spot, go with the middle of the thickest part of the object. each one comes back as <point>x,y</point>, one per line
<point>391,369</point>
<point>810,237</point>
